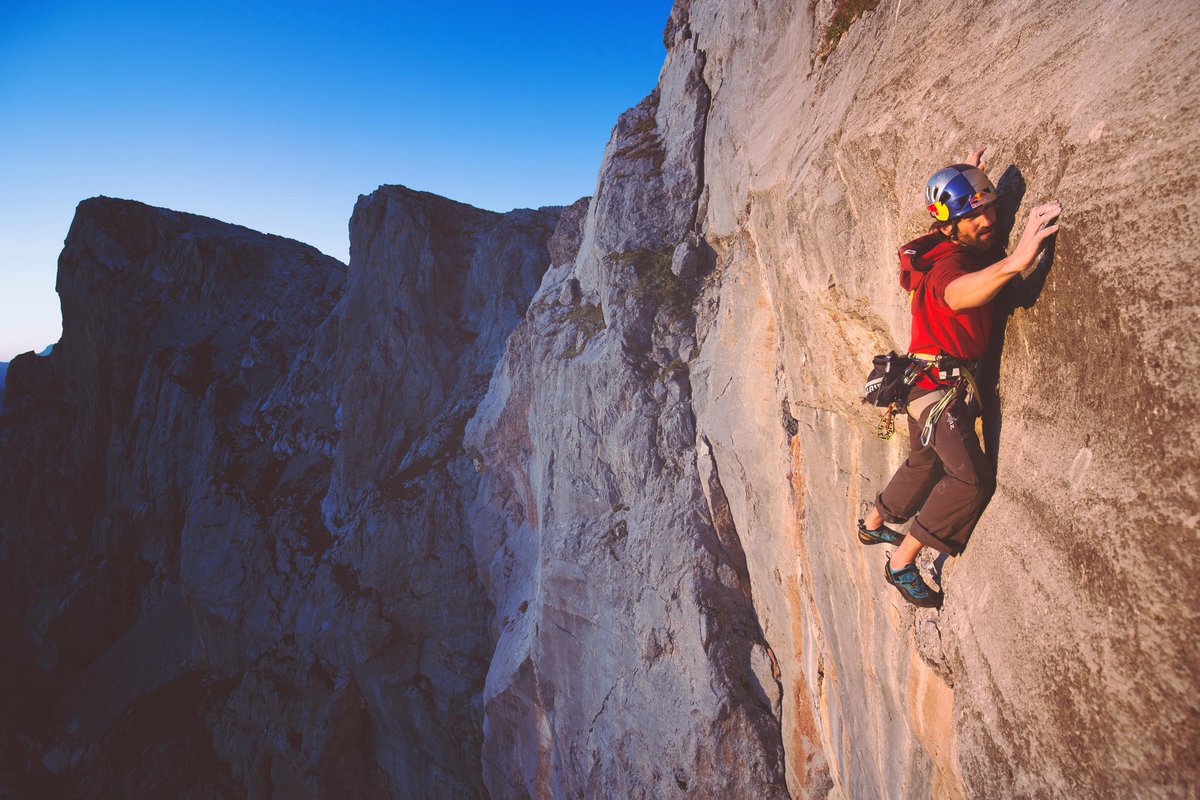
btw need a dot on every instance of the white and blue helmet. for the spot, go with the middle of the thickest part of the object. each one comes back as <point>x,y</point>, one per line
<point>956,191</point>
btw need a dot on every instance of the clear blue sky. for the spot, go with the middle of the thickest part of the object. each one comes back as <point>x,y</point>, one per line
<point>278,115</point>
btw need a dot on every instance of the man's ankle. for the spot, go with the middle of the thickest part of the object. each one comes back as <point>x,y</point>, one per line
<point>898,564</point>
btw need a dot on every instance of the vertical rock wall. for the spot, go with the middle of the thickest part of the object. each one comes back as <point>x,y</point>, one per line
<point>708,423</point>
<point>371,582</point>
<point>630,662</point>
<point>1064,662</point>
<point>175,327</point>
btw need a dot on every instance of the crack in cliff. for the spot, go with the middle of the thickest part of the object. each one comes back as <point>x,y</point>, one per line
<point>721,517</point>
<point>702,144</point>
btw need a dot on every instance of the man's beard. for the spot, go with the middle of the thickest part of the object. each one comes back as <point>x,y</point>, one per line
<point>982,240</point>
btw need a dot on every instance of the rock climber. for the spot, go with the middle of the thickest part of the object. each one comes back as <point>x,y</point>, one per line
<point>953,274</point>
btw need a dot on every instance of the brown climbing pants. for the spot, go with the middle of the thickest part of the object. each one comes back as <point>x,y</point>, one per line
<point>945,484</point>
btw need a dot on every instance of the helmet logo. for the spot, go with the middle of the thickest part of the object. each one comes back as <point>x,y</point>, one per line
<point>940,211</point>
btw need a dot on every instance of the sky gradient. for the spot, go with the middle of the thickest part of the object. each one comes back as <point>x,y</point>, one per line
<point>277,116</point>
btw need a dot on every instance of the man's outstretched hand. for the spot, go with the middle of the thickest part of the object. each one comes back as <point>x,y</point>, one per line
<point>1042,224</point>
<point>975,159</point>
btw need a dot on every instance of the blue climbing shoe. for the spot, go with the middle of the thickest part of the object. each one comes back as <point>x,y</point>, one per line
<point>881,535</point>
<point>908,580</point>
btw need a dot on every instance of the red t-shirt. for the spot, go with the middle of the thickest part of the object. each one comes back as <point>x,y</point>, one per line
<point>927,266</point>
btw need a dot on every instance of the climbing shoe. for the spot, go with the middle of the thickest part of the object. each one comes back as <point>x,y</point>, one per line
<point>908,580</point>
<point>882,535</point>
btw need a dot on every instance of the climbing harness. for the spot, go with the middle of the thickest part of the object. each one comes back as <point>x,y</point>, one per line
<point>943,368</point>
<point>946,368</point>
<point>938,408</point>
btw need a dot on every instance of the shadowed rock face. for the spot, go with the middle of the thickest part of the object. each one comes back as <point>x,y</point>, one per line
<point>175,326</point>
<point>233,489</point>
<point>630,662</point>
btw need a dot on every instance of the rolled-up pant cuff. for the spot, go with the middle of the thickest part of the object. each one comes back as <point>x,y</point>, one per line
<point>887,514</point>
<point>927,539</point>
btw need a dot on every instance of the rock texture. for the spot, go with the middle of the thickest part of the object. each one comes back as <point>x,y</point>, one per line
<point>675,454</point>
<point>175,327</point>
<point>630,661</point>
<point>1065,661</point>
<point>238,500</point>
<point>560,503</point>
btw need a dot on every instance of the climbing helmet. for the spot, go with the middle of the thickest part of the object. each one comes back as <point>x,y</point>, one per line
<point>956,191</point>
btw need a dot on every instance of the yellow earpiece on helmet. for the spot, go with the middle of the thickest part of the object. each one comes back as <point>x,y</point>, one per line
<point>940,211</point>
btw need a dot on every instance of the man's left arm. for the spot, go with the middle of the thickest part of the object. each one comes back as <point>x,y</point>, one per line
<point>978,288</point>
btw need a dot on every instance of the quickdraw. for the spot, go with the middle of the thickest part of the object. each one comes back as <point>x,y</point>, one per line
<point>935,412</point>
<point>948,367</point>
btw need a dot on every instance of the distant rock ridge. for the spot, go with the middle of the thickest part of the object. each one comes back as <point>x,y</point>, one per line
<point>558,503</point>
<point>174,327</point>
<point>236,442</point>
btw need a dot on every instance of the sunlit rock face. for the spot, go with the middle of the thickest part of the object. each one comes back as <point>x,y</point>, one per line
<point>238,482</point>
<point>674,455</point>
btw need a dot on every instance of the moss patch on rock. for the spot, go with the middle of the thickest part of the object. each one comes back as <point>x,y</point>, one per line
<point>845,13</point>
<point>589,320</point>
<point>655,282</point>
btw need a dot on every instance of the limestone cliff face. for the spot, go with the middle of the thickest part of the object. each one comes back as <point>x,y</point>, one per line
<point>674,454</point>
<point>1065,660</point>
<point>560,503</point>
<point>175,326</point>
<point>358,532</point>
<point>630,662</point>
<point>235,494</point>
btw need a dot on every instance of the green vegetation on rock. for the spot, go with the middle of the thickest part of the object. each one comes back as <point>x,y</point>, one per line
<point>589,319</point>
<point>655,281</point>
<point>845,12</point>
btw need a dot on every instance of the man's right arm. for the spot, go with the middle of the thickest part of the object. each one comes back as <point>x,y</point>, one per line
<point>978,288</point>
